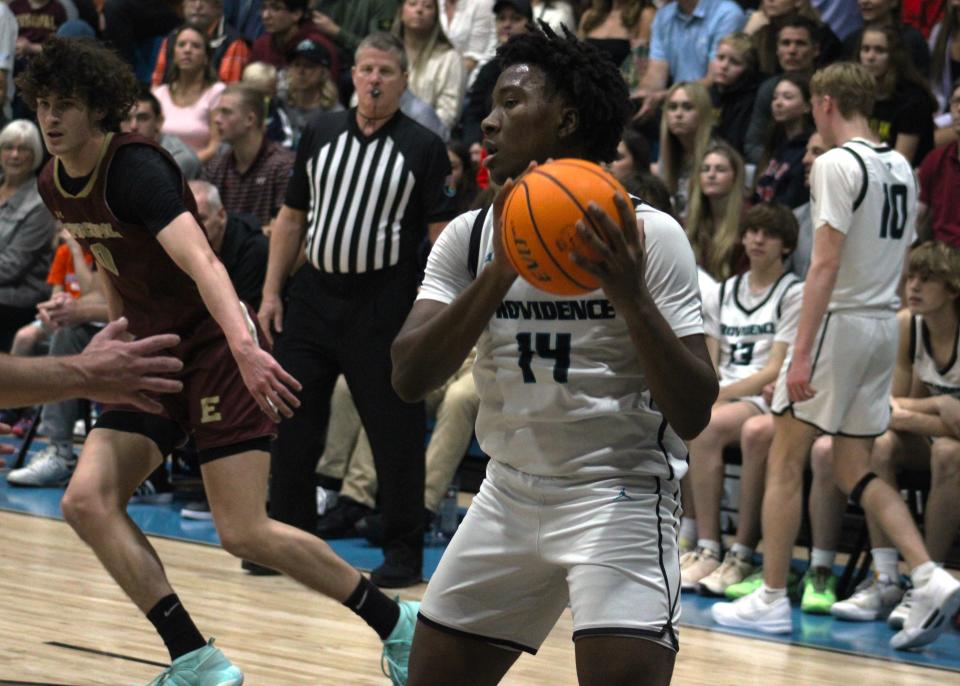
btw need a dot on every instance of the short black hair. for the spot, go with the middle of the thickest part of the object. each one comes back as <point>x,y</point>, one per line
<point>145,95</point>
<point>86,70</point>
<point>584,77</point>
<point>798,21</point>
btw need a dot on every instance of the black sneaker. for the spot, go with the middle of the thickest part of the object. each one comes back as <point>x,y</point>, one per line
<point>402,567</point>
<point>371,526</point>
<point>340,521</point>
<point>254,569</point>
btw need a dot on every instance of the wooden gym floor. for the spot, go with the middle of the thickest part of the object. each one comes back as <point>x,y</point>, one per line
<point>62,617</point>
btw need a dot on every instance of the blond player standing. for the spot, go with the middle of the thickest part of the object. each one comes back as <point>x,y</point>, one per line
<point>840,368</point>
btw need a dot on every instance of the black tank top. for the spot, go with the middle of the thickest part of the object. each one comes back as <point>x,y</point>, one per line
<point>617,49</point>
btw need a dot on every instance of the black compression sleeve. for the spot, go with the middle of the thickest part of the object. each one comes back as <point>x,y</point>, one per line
<point>143,187</point>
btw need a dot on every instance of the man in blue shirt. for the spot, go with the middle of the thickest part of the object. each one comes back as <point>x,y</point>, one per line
<point>684,40</point>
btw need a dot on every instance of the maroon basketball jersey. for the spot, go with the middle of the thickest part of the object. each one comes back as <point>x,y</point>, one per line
<point>158,297</point>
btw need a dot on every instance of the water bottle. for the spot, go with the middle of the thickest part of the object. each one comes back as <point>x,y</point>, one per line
<point>448,516</point>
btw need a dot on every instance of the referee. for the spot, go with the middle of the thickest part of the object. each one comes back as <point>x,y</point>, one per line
<point>367,185</point>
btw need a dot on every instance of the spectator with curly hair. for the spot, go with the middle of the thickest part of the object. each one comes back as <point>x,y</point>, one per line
<point>585,433</point>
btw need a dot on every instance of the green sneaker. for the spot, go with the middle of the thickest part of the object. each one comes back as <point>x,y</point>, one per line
<point>205,666</point>
<point>745,587</point>
<point>819,591</point>
<point>755,581</point>
<point>396,646</point>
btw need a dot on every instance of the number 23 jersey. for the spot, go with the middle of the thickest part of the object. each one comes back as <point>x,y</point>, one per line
<point>561,389</point>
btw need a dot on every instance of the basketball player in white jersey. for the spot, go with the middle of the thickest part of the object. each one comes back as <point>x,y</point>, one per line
<point>580,409</point>
<point>926,377</point>
<point>749,322</point>
<point>839,371</point>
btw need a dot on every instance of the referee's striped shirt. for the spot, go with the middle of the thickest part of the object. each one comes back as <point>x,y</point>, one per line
<point>368,199</point>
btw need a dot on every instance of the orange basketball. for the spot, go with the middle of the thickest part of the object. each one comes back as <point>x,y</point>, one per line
<point>540,223</point>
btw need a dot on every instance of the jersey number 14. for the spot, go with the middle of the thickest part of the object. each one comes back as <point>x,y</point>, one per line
<point>544,347</point>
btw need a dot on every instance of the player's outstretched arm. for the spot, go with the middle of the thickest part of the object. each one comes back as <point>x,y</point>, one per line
<point>111,369</point>
<point>436,337</point>
<point>664,358</point>
<point>272,387</point>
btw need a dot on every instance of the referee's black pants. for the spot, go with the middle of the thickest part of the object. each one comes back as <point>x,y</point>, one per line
<point>345,324</point>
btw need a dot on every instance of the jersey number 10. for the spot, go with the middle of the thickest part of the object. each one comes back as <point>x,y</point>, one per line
<point>894,219</point>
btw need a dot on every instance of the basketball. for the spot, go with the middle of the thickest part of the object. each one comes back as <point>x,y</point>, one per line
<point>540,223</point>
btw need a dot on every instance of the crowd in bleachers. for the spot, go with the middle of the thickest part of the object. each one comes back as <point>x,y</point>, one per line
<point>722,138</point>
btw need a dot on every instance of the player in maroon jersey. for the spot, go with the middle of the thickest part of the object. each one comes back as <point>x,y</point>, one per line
<point>124,198</point>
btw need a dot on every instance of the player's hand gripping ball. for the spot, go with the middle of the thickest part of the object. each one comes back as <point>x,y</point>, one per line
<point>540,223</point>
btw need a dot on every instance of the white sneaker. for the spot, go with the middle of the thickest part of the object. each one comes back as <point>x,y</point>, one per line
<point>49,467</point>
<point>733,570</point>
<point>933,606</point>
<point>899,615</point>
<point>873,599</point>
<point>699,564</point>
<point>752,612</point>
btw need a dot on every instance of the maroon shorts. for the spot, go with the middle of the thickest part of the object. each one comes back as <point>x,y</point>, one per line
<point>214,406</point>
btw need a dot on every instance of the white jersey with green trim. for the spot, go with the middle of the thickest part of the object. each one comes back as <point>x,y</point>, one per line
<point>867,191</point>
<point>560,385</point>
<point>747,324</point>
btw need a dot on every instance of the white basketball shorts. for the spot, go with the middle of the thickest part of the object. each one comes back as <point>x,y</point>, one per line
<point>854,356</point>
<point>531,544</point>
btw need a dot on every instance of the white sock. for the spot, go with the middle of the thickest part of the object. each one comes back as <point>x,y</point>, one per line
<point>741,551</point>
<point>688,529</point>
<point>885,562</point>
<point>921,575</point>
<point>822,558</point>
<point>712,546</point>
<point>771,595</point>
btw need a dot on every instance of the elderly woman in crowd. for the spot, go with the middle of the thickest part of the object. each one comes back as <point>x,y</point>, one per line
<point>26,230</point>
